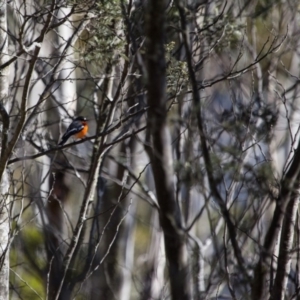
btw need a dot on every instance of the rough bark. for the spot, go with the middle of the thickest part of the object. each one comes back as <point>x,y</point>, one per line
<point>161,158</point>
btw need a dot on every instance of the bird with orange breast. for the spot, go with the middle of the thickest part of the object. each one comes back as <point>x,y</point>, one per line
<point>78,128</point>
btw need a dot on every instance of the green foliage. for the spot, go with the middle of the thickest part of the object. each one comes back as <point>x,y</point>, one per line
<point>104,42</point>
<point>177,72</point>
<point>26,279</point>
<point>190,172</point>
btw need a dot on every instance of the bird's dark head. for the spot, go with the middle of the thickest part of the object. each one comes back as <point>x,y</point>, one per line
<point>80,118</point>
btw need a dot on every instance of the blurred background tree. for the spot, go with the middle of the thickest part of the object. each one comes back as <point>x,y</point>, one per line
<point>187,185</point>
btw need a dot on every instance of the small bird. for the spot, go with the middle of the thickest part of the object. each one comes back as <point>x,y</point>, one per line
<point>78,128</point>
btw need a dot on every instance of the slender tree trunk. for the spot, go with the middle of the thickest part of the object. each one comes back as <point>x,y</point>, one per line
<point>4,242</point>
<point>285,251</point>
<point>154,280</point>
<point>161,157</point>
<point>4,184</point>
<point>285,204</point>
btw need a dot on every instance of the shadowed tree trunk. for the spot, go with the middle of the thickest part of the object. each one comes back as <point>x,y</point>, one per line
<point>285,208</point>
<point>161,151</point>
<point>285,252</point>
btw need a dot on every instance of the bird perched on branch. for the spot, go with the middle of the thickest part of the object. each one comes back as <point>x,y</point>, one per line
<point>78,128</point>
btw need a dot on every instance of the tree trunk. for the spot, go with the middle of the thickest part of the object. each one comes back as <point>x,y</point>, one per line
<point>161,157</point>
<point>285,252</point>
<point>4,184</point>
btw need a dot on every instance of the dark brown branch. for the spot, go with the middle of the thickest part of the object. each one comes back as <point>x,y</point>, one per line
<point>5,120</point>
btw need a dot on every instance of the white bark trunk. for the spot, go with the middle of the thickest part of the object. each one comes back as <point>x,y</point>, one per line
<point>4,239</point>
<point>4,184</point>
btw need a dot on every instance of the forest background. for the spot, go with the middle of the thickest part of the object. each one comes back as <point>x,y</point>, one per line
<point>187,185</point>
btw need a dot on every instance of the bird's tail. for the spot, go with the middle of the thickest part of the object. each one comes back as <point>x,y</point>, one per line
<point>63,140</point>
